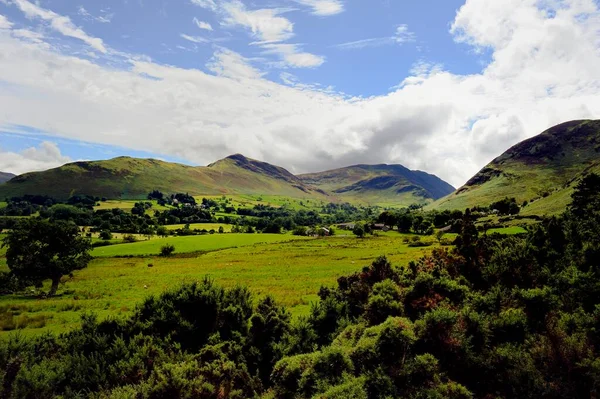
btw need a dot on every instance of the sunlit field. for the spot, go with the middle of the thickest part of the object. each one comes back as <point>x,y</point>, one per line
<point>292,271</point>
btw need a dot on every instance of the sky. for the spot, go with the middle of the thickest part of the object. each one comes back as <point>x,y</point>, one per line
<point>442,86</point>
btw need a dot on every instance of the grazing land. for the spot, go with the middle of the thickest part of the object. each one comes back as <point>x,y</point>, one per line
<point>292,269</point>
<point>204,243</point>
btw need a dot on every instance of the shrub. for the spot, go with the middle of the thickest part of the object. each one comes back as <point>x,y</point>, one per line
<point>106,235</point>
<point>167,250</point>
<point>300,231</point>
<point>129,238</point>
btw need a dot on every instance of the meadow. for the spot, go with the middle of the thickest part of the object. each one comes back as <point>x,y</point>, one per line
<point>186,244</point>
<point>290,270</point>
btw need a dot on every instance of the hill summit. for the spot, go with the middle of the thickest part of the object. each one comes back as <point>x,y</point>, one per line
<point>133,178</point>
<point>542,169</point>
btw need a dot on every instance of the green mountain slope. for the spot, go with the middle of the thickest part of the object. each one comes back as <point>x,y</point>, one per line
<point>542,169</point>
<point>132,178</point>
<point>380,184</point>
<point>4,177</point>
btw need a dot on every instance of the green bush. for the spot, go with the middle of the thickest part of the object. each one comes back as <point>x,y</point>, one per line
<point>129,238</point>
<point>167,250</point>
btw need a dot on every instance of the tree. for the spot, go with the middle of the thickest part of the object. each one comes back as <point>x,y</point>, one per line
<point>586,195</point>
<point>162,231</point>
<point>39,250</point>
<point>404,222</point>
<point>106,235</point>
<point>359,230</point>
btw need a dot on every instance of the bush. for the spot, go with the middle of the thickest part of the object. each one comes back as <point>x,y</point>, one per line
<point>300,231</point>
<point>129,238</point>
<point>106,235</point>
<point>167,250</point>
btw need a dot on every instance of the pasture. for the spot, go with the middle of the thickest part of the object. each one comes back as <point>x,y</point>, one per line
<point>203,243</point>
<point>292,270</point>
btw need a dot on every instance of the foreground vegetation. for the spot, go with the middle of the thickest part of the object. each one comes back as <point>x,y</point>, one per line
<point>495,317</point>
<point>292,271</point>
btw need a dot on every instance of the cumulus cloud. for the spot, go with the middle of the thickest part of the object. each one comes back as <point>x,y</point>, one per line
<point>324,7</point>
<point>60,23</point>
<point>544,69</point>
<point>47,155</point>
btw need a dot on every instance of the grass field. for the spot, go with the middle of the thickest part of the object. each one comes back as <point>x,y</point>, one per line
<point>508,230</point>
<point>126,205</point>
<point>203,243</point>
<point>291,271</point>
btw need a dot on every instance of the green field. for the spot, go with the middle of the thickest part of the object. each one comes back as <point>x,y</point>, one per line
<point>508,230</point>
<point>291,271</point>
<point>204,243</point>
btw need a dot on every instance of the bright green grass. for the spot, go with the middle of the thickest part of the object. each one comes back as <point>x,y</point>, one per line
<point>277,201</point>
<point>292,272</point>
<point>508,230</point>
<point>3,204</point>
<point>126,205</point>
<point>553,204</point>
<point>209,242</point>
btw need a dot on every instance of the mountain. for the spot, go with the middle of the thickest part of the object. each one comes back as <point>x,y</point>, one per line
<point>4,177</point>
<point>541,170</point>
<point>132,178</point>
<point>379,184</point>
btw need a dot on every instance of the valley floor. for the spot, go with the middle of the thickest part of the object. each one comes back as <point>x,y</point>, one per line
<point>290,270</point>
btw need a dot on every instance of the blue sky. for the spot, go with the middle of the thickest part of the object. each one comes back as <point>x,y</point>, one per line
<point>442,86</point>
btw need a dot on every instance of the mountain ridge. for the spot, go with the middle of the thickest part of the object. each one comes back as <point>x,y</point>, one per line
<point>132,178</point>
<point>5,176</point>
<point>541,169</point>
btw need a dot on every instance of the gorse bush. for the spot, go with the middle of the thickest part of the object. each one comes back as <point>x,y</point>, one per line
<point>494,317</point>
<point>167,250</point>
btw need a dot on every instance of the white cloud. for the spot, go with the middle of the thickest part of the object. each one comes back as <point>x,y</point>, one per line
<point>106,18</point>
<point>59,23</point>
<point>4,22</point>
<point>543,71</point>
<point>324,7</point>
<point>202,24</point>
<point>194,39</point>
<point>293,56</point>
<point>266,25</point>
<point>46,156</point>
<point>210,4</point>
<point>401,36</point>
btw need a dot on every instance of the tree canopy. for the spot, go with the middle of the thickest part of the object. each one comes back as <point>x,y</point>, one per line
<point>39,250</point>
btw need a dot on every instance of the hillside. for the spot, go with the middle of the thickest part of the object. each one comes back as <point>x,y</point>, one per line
<point>132,178</point>
<point>542,169</point>
<point>381,184</point>
<point>4,177</point>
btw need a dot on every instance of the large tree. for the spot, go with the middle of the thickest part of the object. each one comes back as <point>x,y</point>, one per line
<point>41,250</point>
